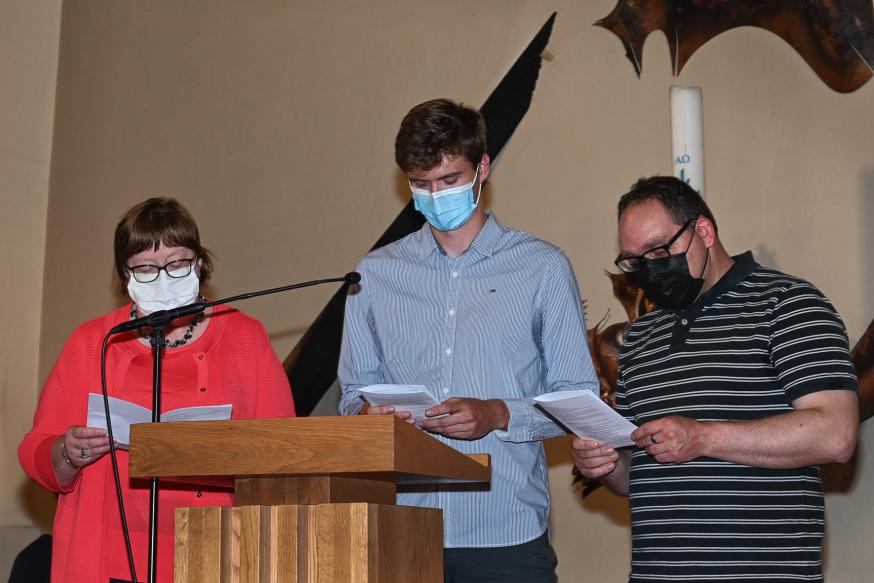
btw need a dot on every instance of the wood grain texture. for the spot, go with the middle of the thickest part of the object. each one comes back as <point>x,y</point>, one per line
<point>296,447</point>
<point>181,543</point>
<point>309,570</point>
<point>377,543</point>
<point>339,542</point>
<point>326,543</point>
<point>375,488</point>
<point>409,545</point>
<point>250,543</point>
<point>279,544</point>
<point>198,545</point>
<point>230,549</point>
<point>353,460</point>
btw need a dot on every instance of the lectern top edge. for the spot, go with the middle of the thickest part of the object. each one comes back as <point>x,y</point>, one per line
<point>296,446</point>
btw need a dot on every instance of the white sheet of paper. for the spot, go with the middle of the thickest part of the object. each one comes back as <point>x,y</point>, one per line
<point>413,398</point>
<point>124,414</point>
<point>588,417</point>
<point>201,413</point>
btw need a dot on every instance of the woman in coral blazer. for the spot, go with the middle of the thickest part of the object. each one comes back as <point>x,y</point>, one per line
<point>219,357</point>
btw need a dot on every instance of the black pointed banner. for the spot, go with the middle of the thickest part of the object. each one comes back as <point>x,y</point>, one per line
<point>312,364</point>
<point>510,100</point>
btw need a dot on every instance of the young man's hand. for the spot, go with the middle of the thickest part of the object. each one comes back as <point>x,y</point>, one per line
<point>386,410</point>
<point>467,418</point>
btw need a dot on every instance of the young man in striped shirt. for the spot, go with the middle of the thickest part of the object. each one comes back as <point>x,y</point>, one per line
<point>485,317</point>
<point>741,385</point>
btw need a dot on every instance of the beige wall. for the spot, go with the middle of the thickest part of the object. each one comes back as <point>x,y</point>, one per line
<point>274,122</point>
<point>28,64</point>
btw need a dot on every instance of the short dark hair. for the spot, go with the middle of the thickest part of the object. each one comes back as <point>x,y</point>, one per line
<point>150,223</point>
<point>438,128</point>
<point>682,202</point>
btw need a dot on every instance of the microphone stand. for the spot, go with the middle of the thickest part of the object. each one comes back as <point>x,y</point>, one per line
<point>158,321</point>
<point>159,344</point>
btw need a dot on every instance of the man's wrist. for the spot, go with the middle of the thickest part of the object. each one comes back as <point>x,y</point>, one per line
<point>500,415</point>
<point>705,437</point>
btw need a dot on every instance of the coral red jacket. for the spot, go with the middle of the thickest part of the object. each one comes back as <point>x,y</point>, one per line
<point>232,362</point>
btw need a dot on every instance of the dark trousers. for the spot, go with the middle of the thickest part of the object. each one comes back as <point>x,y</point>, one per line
<point>531,562</point>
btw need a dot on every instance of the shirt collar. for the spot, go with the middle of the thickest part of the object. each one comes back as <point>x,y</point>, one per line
<point>744,264</point>
<point>425,243</point>
<point>487,239</point>
<point>484,243</point>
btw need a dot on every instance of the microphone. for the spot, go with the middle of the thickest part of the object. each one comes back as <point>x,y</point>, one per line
<point>161,318</point>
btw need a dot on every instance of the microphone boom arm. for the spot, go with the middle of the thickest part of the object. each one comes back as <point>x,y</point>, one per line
<point>161,318</point>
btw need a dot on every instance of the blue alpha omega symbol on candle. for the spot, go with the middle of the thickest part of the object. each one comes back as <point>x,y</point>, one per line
<point>680,161</point>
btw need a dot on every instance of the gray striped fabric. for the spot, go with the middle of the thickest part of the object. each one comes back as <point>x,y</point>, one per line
<point>503,320</point>
<point>749,347</point>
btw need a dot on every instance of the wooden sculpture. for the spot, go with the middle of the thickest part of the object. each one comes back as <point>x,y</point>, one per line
<point>605,342</point>
<point>836,38</point>
<point>863,360</point>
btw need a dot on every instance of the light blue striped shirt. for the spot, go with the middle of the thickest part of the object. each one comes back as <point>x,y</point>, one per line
<point>501,321</point>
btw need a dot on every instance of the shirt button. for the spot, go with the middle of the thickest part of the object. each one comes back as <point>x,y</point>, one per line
<point>448,351</point>
<point>202,389</point>
<point>445,390</point>
<point>454,274</point>
<point>199,357</point>
<point>684,321</point>
<point>198,493</point>
<point>451,312</point>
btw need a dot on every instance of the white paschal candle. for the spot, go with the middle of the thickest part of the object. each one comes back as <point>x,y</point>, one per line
<point>687,136</point>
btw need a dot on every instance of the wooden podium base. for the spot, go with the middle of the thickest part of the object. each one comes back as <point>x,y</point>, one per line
<point>314,497</point>
<point>321,543</point>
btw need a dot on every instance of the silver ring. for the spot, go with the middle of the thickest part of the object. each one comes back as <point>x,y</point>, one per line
<point>84,454</point>
<point>652,438</point>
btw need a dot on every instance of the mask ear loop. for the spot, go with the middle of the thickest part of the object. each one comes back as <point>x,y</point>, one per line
<point>706,250</point>
<point>480,191</point>
<point>706,259</point>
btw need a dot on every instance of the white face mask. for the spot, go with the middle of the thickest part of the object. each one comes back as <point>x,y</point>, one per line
<point>165,293</point>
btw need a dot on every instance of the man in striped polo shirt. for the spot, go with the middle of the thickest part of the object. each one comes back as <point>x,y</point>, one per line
<point>485,317</point>
<point>741,384</point>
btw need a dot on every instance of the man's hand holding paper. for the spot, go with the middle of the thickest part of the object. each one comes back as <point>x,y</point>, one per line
<point>461,418</point>
<point>408,402</point>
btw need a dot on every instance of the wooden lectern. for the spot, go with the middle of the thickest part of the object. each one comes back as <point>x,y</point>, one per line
<point>314,498</point>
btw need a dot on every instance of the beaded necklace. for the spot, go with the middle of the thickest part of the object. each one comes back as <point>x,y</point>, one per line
<point>188,332</point>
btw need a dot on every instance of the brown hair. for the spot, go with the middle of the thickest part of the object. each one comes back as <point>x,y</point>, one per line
<point>150,223</point>
<point>438,128</point>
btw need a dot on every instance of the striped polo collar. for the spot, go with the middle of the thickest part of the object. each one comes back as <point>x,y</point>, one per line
<point>744,264</point>
<point>484,243</point>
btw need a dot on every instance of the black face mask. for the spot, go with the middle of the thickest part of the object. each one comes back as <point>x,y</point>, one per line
<point>668,283</point>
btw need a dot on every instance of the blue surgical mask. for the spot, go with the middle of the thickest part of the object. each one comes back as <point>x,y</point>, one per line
<point>448,209</point>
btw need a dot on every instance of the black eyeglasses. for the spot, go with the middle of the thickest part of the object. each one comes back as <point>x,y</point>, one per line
<point>656,254</point>
<point>148,273</point>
